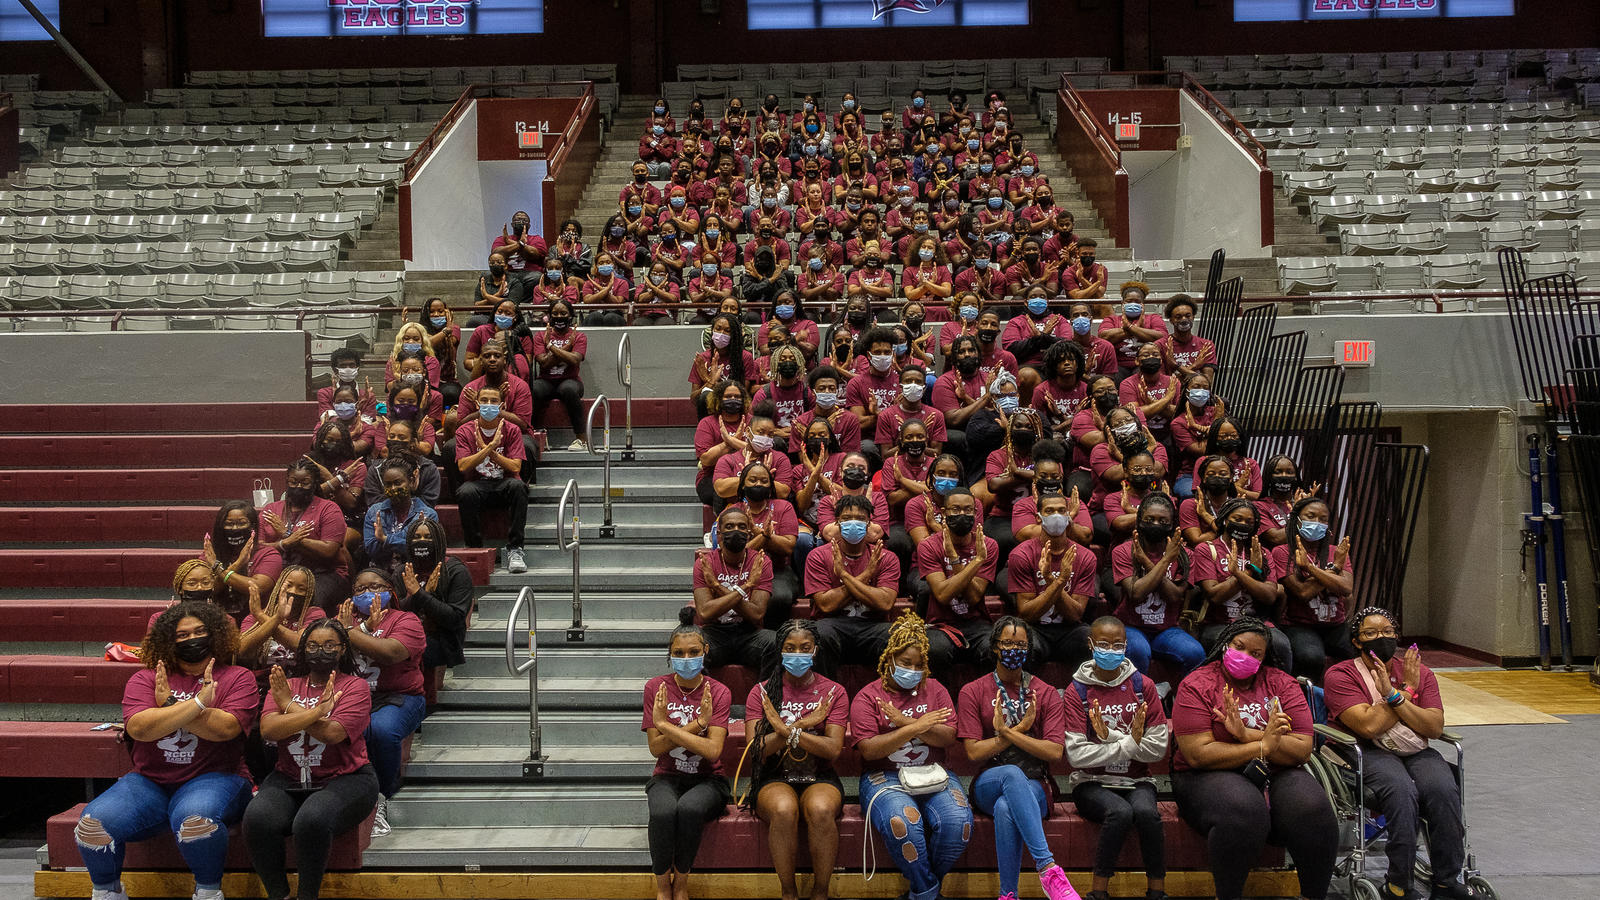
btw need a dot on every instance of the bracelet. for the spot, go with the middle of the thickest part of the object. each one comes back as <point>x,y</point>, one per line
<point>1395,699</point>
<point>225,576</point>
<point>197,702</point>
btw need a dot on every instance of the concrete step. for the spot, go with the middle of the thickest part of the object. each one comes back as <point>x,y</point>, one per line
<point>493,845</point>
<point>551,628</point>
<point>627,762</point>
<point>494,728</point>
<point>514,805</point>
<point>549,558</point>
<point>625,486</point>
<point>571,662</point>
<point>599,606</point>
<point>508,693</point>
<point>603,571</point>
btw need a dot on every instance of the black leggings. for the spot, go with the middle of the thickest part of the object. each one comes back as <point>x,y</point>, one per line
<point>1317,645</point>
<point>680,806</point>
<point>1117,811</point>
<point>1238,822</point>
<point>314,819</point>
<point>569,391</point>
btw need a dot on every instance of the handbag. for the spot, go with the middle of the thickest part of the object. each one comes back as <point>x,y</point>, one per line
<point>262,494</point>
<point>1399,739</point>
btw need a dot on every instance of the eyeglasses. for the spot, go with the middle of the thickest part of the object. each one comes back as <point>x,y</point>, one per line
<point>1378,635</point>
<point>1012,645</point>
<point>1118,647</point>
<point>325,648</point>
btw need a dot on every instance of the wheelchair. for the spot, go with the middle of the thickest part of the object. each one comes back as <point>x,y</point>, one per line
<point>1337,764</point>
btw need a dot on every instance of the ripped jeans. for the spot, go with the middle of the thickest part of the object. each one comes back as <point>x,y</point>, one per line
<point>136,809</point>
<point>925,835</point>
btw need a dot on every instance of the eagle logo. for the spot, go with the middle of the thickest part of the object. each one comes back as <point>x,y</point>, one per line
<point>879,7</point>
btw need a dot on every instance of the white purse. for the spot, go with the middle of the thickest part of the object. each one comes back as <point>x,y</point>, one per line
<point>262,494</point>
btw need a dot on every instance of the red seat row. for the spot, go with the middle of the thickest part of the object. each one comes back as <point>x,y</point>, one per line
<point>99,485</point>
<point>90,620</point>
<point>147,418</point>
<point>161,851</point>
<point>61,450</point>
<point>142,567</point>
<point>178,524</point>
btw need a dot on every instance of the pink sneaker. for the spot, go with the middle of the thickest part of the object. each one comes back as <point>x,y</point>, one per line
<point>1056,885</point>
<point>1007,897</point>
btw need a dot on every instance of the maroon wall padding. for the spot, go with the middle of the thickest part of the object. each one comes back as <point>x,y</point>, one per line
<point>158,418</point>
<point>161,851</point>
<point>153,450</point>
<point>61,750</point>
<point>99,485</point>
<point>79,619</point>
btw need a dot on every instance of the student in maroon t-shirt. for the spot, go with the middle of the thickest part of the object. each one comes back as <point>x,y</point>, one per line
<point>318,718</point>
<point>775,530</point>
<point>309,531</point>
<point>1238,577</point>
<point>186,715</point>
<point>388,644</point>
<point>1153,576</point>
<point>904,718</point>
<point>1115,729</point>
<point>685,724</point>
<point>955,566</point>
<point>1317,579</point>
<point>559,350</point>
<point>1052,580</point>
<point>732,587</point>
<point>1280,490</point>
<point>1391,703</point>
<point>852,582</point>
<point>490,455</point>
<point>1241,722</point>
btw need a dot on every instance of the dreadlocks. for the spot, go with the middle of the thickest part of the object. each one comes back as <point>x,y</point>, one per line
<point>906,633</point>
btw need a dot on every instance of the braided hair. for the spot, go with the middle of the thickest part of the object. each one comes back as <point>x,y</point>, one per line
<point>736,348</point>
<point>1228,509</point>
<point>774,685</point>
<point>182,573</point>
<point>292,616</point>
<point>1245,625</point>
<point>999,628</point>
<point>906,633</point>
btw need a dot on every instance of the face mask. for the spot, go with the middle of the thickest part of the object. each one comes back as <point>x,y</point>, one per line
<point>1108,660</point>
<point>503,322</point>
<point>854,477</point>
<point>987,335</point>
<point>688,667</point>
<point>412,379</point>
<point>196,595</point>
<point>912,392</point>
<point>944,485</point>
<point>735,541</point>
<point>346,375</point>
<point>661,110</point>
<point>980,263</point>
<point>1182,327</point>
<point>1155,532</point>
<point>853,531</point>
<point>497,271</point>
<point>364,601</point>
<point>422,558</point>
<point>972,145</point>
<point>788,369</point>
<point>709,270</point>
<point>677,202</point>
<point>721,339</point>
<point>1054,524</point>
<point>1047,486</point>
<point>1150,365</point>
<point>914,323</point>
<point>488,412</point>
<point>1199,396</point>
<point>922,228</point>
<point>194,649</point>
<point>811,150</point>
<point>1141,482</point>
<point>618,230</point>
<point>970,313</point>
<point>344,410</point>
<point>827,399</point>
<point>1227,445</point>
<point>1126,431</point>
<point>1282,484</point>
<point>1007,403</point>
<point>967,366</point>
<point>960,524</point>
<point>321,662</point>
<point>995,202</point>
<point>1089,261</point>
<point>733,405</point>
<point>235,537</point>
<point>907,678</point>
<point>1038,305</point>
<point>853,205</point>
<point>658,130</point>
<point>404,410</point>
<point>881,362</point>
<point>1013,658</point>
<point>552,275</point>
<point>605,268</point>
<point>932,148</point>
<point>1132,310</point>
<point>1241,534</point>
<point>1383,648</point>
<point>1105,402</point>
<point>926,253</point>
<point>297,497</point>
<point>816,266</point>
<point>401,493</point>
<point>797,664</point>
<point>1028,170</point>
<point>561,324</point>
<point>761,443</point>
<point>1240,664</point>
<point>1313,531</point>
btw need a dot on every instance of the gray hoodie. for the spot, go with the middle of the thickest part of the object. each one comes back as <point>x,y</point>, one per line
<point>1088,756</point>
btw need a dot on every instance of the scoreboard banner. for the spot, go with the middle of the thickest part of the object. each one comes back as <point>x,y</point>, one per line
<point>384,18</point>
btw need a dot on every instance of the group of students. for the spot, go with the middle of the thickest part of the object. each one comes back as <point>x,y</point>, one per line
<point>1237,732</point>
<point>266,696</point>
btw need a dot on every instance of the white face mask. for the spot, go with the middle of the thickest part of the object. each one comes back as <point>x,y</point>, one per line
<point>881,363</point>
<point>912,392</point>
<point>346,374</point>
<point>761,443</point>
<point>1054,524</point>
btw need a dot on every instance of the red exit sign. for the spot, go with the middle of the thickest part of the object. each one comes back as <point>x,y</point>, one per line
<point>1354,354</point>
<point>530,140</point>
<point>1127,131</point>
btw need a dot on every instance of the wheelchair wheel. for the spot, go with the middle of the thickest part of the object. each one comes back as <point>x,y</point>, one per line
<point>1480,887</point>
<point>1365,889</point>
<point>1422,868</point>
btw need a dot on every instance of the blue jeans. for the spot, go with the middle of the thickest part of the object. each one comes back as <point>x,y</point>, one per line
<point>1175,645</point>
<point>804,543</point>
<point>930,831</point>
<point>1183,486</point>
<point>137,809</point>
<point>387,732</point>
<point>1018,806</point>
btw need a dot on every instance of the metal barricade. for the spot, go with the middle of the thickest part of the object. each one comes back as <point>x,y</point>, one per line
<point>607,529</point>
<point>625,376</point>
<point>575,633</point>
<point>533,767</point>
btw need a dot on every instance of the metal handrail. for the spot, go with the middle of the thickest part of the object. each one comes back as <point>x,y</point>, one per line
<point>607,530</point>
<point>575,634</point>
<point>625,378</point>
<point>534,766</point>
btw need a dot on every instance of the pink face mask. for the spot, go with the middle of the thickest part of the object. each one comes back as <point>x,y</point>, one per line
<point>1240,664</point>
<point>720,339</point>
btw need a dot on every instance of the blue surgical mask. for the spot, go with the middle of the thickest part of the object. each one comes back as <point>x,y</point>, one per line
<point>708,269</point>
<point>970,313</point>
<point>920,228</point>
<point>712,233</point>
<point>1038,305</point>
<point>658,131</point>
<point>812,128</point>
<point>1081,324</point>
<point>503,321</point>
<point>1027,170</point>
<point>785,310</point>
<point>919,102</point>
<point>411,346</point>
<point>661,110</point>
<point>986,168</point>
<point>488,411</point>
<point>1199,396</point>
<point>1313,531</point>
<point>677,202</point>
<point>688,667</point>
<point>797,664</point>
<point>1007,403</point>
<point>848,105</point>
<point>995,202</point>
<point>1132,309</point>
<point>815,264</point>
<point>980,263</point>
<point>907,678</point>
<point>1013,658</point>
<point>972,144</point>
<point>363,601</point>
<point>1109,660</point>
<point>811,149</point>
<point>827,399</point>
<point>344,410</point>
<point>945,485</point>
<point>438,321</point>
<point>854,531</point>
<point>900,349</point>
<point>933,148</point>
<point>605,268</point>
<point>634,210</point>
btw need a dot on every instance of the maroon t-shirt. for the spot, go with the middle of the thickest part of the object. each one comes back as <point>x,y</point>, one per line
<point>885,387</point>
<point>180,756</point>
<point>844,425</point>
<point>1209,563</point>
<point>405,676</point>
<point>327,521</point>
<point>1118,706</point>
<point>1343,687</point>
<point>683,707</point>
<point>799,702</point>
<point>1152,612</point>
<point>917,510</point>
<point>328,761</point>
<point>931,558</point>
<point>868,721</point>
<point>1201,691</point>
<point>1323,608</point>
<point>1023,564</point>
<point>975,710</point>
<point>572,341</point>
<point>276,654</point>
<point>819,578</point>
<point>789,402</point>
<point>470,439</point>
<point>727,575</point>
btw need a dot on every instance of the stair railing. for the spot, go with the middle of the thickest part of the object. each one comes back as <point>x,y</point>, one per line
<point>533,767</point>
<point>625,376</point>
<point>573,544</point>
<point>607,529</point>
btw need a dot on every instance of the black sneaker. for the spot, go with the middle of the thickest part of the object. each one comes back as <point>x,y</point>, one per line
<point>1452,890</point>
<point>1155,895</point>
<point>1097,895</point>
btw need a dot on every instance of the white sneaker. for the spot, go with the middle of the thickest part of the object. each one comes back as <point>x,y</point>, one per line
<point>208,894</point>
<point>380,821</point>
<point>516,564</point>
<point>578,446</point>
<point>97,894</point>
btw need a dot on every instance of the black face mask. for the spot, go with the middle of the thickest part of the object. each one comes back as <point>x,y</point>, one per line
<point>1141,482</point>
<point>856,317</point>
<point>1383,648</point>
<point>1227,445</point>
<point>321,662</point>
<point>1047,486</point>
<point>422,559</point>
<point>960,524</point>
<point>1130,446</point>
<point>915,325</point>
<point>196,595</point>
<point>987,335</point>
<point>1022,440</point>
<point>1155,532</point>
<point>733,406</point>
<point>561,324</point>
<point>1216,484</point>
<point>298,497</point>
<point>1105,402</point>
<point>1241,534</point>
<point>757,493</point>
<point>235,537</point>
<point>735,541</point>
<point>916,448</point>
<point>640,177</point>
<point>1086,260</point>
<point>1149,365</point>
<point>854,478</point>
<point>968,366</point>
<point>497,271</point>
<point>193,650</point>
<point>1282,484</point>
<point>788,369</point>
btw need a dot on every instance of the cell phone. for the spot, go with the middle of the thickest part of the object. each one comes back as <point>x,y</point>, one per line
<point>104,726</point>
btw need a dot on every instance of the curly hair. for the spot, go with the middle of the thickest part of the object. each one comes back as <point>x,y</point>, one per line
<point>1362,614</point>
<point>1063,351</point>
<point>907,632</point>
<point>160,643</point>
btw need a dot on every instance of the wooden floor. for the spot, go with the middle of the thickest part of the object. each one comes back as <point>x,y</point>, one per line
<point>1550,693</point>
